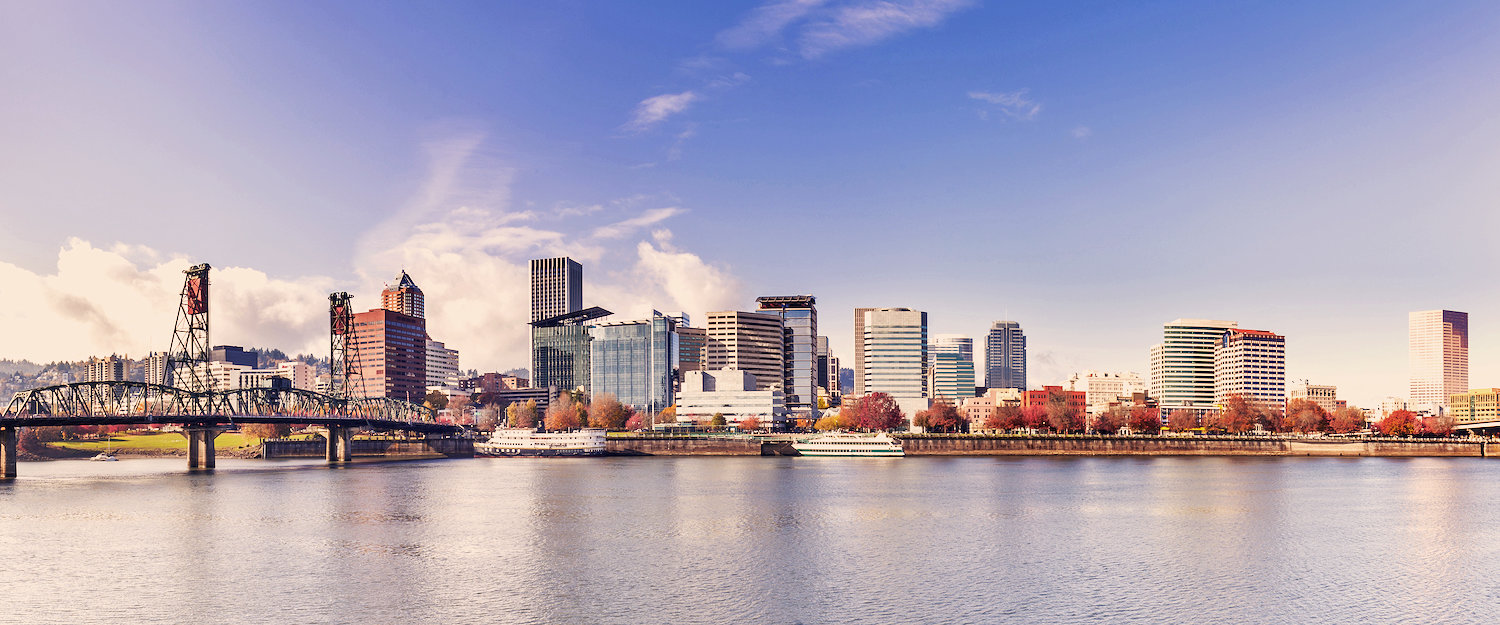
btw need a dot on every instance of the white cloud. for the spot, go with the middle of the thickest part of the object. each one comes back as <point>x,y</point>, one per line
<point>765,23</point>
<point>870,22</point>
<point>1013,104</point>
<point>626,227</point>
<point>1081,132</point>
<point>651,111</point>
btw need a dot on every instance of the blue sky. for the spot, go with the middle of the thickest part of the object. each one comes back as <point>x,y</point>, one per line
<point>1089,169</point>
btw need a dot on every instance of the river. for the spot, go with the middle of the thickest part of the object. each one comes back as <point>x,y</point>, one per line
<point>755,540</point>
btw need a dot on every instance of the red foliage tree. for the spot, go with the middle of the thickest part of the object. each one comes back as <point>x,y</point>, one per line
<point>1398,423</point>
<point>1237,416</point>
<point>1005,418</point>
<point>1345,420</point>
<point>1440,426</point>
<point>637,421</point>
<point>943,416</point>
<point>1181,420</point>
<point>564,414</point>
<point>879,411</point>
<point>749,424</point>
<point>1144,420</point>
<point>1305,416</point>
<point>1034,417</point>
<point>1110,421</point>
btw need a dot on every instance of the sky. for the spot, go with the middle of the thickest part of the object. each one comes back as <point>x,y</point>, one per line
<point>1089,169</point>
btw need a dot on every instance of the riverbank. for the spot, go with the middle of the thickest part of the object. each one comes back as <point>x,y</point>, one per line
<point>993,445</point>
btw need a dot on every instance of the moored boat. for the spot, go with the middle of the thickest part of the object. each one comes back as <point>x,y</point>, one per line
<point>850,444</point>
<point>527,442</point>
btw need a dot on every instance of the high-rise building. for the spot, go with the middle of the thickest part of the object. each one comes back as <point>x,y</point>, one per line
<point>733,394</point>
<point>404,297</point>
<point>635,361</point>
<point>1182,365</point>
<point>1439,356</point>
<point>560,349</point>
<point>859,350</point>
<point>895,356</point>
<point>952,366</point>
<point>799,321</point>
<point>1005,356</point>
<point>1478,405</point>
<point>389,350</point>
<point>442,365</point>
<point>157,368</point>
<point>1103,388</point>
<point>556,287</point>
<point>233,354</point>
<point>1251,364</point>
<point>691,344</point>
<point>754,342</point>
<point>824,381</point>
<point>108,369</point>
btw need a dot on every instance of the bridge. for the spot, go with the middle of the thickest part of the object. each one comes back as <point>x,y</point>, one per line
<point>204,411</point>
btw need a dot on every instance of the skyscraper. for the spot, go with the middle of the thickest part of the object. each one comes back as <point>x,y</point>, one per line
<point>1439,356</point>
<point>1182,365</point>
<point>635,361</point>
<point>1251,364</point>
<point>404,297</point>
<point>1005,356</point>
<point>859,350</point>
<point>799,320</point>
<point>895,356</point>
<point>389,349</point>
<point>754,342</point>
<point>556,287</point>
<point>952,368</point>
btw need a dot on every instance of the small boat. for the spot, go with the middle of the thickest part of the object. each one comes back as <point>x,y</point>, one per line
<point>108,455</point>
<point>850,444</point>
<point>528,442</point>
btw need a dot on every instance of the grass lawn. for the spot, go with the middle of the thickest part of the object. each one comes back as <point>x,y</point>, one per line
<point>163,440</point>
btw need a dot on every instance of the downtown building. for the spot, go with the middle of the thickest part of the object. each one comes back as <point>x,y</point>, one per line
<point>748,341</point>
<point>1439,357</point>
<point>731,393</point>
<point>1324,395</point>
<point>799,322</point>
<point>636,361</point>
<point>951,359</point>
<point>1005,356</point>
<point>1252,365</point>
<point>1105,388</point>
<point>892,348</point>
<point>387,353</point>
<point>1182,365</point>
<point>559,334</point>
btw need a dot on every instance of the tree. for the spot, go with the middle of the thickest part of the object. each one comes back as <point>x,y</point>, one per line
<point>1034,416</point>
<point>1110,421</point>
<point>1004,418</point>
<point>1237,416</point>
<point>637,421</point>
<point>718,421</point>
<point>879,411</point>
<point>1345,420</point>
<point>521,414</point>
<point>941,416</point>
<point>1182,420</point>
<point>436,400</point>
<point>263,431</point>
<point>607,412</point>
<point>564,414</point>
<point>749,424</point>
<point>1145,420</point>
<point>667,415</point>
<point>1398,423</point>
<point>1441,426</point>
<point>827,423</point>
<point>1306,416</point>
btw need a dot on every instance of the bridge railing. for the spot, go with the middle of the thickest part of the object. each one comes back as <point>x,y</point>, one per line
<point>140,399</point>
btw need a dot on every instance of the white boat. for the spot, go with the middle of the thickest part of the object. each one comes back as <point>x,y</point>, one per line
<point>527,442</point>
<point>108,455</point>
<point>104,457</point>
<point>850,444</point>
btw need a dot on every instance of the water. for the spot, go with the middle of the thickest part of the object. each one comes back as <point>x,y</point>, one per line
<point>763,540</point>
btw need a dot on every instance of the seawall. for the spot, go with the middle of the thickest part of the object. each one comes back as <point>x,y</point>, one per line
<point>318,448</point>
<point>990,445</point>
<point>683,446</point>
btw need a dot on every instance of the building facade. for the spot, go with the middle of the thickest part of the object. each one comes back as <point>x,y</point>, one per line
<point>1077,400</point>
<point>895,356</point>
<point>157,368</point>
<point>1439,357</point>
<point>1478,405</point>
<point>560,350</point>
<point>108,369</point>
<point>556,287</point>
<point>859,350</point>
<point>799,322</point>
<point>1005,356</point>
<point>636,361</point>
<point>233,354</point>
<point>691,345</point>
<point>1325,396</point>
<point>389,351</point>
<point>1182,365</point>
<point>1103,388</point>
<point>442,365</point>
<point>1250,364</point>
<point>952,367</point>
<point>753,342</point>
<point>404,297</point>
<point>732,393</point>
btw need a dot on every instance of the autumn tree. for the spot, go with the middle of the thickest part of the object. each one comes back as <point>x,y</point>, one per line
<point>1306,416</point>
<point>607,412</point>
<point>1005,418</point>
<point>1110,421</point>
<point>1034,417</point>
<point>1145,420</point>
<point>637,421</point>
<point>521,414</point>
<point>263,431</point>
<point>1062,417</point>
<point>941,416</point>
<point>1345,420</point>
<point>1398,423</point>
<point>828,423</point>
<point>1237,415</point>
<point>879,411</point>
<point>564,414</point>
<point>749,424</point>
<point>667,415</point>
<point>436,400</point>
<point>1440,425</point>
<point>1182,420</point>
<point>718,421</point>
<point>489,417</point>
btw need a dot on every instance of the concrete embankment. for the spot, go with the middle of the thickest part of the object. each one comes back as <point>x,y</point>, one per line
<point>317,447</point>
<point>982,445</point>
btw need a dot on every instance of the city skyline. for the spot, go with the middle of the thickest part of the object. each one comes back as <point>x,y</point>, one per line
<point>661,170</point>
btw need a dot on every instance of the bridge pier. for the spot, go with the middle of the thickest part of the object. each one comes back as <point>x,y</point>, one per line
<point>340,443</point>
<point>201,445</point>
<point>7,453</point>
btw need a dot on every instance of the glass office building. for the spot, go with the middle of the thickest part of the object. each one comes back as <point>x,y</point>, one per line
<point>560,349</point>
<point>635,361</point>
<point>799,319</point>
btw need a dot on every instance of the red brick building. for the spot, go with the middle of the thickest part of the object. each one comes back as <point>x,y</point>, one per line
<point>1077,400</point>
<point>389,350</point>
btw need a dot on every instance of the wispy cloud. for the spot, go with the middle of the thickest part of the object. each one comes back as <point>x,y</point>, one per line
<point>1081,132</point>
<point>1013,104</point>
<point>623,228</point>
<point>651,111</point>
<point>765,23</point>
<point>870,22</point>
